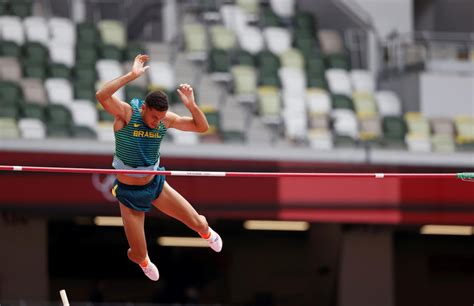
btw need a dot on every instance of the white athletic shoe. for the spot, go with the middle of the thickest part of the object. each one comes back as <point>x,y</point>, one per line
<point>151,271</point>
<point>215,241</point>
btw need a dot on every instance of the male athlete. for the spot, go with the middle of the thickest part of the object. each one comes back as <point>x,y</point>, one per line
<point>139,129</point>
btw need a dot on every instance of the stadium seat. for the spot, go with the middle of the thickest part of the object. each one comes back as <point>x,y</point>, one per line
<point>9,49</point>
<point>34,91</point>
<point>320,139</point>
<point>339,82</point>
<point>10,93</point>
<point>345,123</point>
<point>292,58</point>
<point>84,113</point>
<point>32,110</point>
<point>465,130</point>
<point>417,124</point>
<point>10,69</point>
<point>278,40</point>
<point>283,8</point>
<point>443,143</point>
<point>58,117</point>
<point>233,18</point>
<point>161,75</point>
<point>87,34</point>
<point>84,90</point>
<point>21,8</point>
<point>331,42</point>
<point>364,104</point>
<point>342,102</point>
<point>251,40</point>
<point>293,80</point>
<point>110,52</point>
<point>59,91</point>
<point>35,52</point>
<point>195,41</point>
<point>32,128</point>
<point>9,129</point>
<point>11,28</point>
<point>245,81</point>
<point>219,65</point>
<point>371,129</point>
<point>394,130</point>
<point>113,32</point>
<point>244,58</point>
<point>258,134</point>
<point>269,105</point>
<point>268,18</point>
<point>318,101</point>
<point>36,29</point>
<point>85,73</point>
<point>251,8</point>
<point>362,81</point>
<point>222,38</point>
<point>62,30</point>
<point>338,61</point>
<point>388,103</point>
<point>56,70</point>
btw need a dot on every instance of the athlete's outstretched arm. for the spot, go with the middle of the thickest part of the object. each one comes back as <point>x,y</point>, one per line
<point>198,122</point>
<point>105,96</point>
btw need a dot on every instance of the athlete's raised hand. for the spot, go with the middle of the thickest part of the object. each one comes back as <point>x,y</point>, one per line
<point>139,67</point>
<point>186,94</point>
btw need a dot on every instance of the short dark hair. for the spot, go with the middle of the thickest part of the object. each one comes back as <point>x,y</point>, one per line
<point>158,100</point>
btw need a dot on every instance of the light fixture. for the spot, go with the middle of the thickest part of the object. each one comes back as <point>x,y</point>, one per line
<point>267,225</point>
<point>193,242</point>
<point>108,221</point>
<point>446,230</point>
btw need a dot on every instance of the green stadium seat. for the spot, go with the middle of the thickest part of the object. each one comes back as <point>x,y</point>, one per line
<point>87,34</point>
<point>394,129</point>
<point>56,70</point>
<point>10,93</point>
<point>244,58</point>
<point>21,8</point>
<point>34,52</point>
<point>84,90</point>
<point>58,116</point>
<point>305,22</point>
<point>9,48</point>
<point>219,61</point>
<point>111,52</point>
<point>268,61</point>
<point>85,73</point>
<point>4,8</point>
<point>86,55</point>
<point>338,61</point>
<point>34,70</point>
<point>10,111</point>
<point>32,110</point>
<point>268,18</point>
<point>132,50</point>
<point>342,101</point>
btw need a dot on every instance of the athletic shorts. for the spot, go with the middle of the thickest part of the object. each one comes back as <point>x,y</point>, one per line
<point>139,197</point>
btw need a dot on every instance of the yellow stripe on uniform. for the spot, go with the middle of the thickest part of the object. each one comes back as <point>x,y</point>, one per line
<point>114,192</point>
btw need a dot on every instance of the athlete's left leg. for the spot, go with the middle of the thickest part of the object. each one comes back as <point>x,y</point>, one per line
<point>175,205</point>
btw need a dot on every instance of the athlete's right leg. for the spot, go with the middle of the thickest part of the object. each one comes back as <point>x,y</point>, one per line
<point>134,224</point>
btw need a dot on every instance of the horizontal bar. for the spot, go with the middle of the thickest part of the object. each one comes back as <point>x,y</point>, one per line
<point>236,174</point>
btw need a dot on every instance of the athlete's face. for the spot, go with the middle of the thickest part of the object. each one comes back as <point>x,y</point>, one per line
<point>152,117</point>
